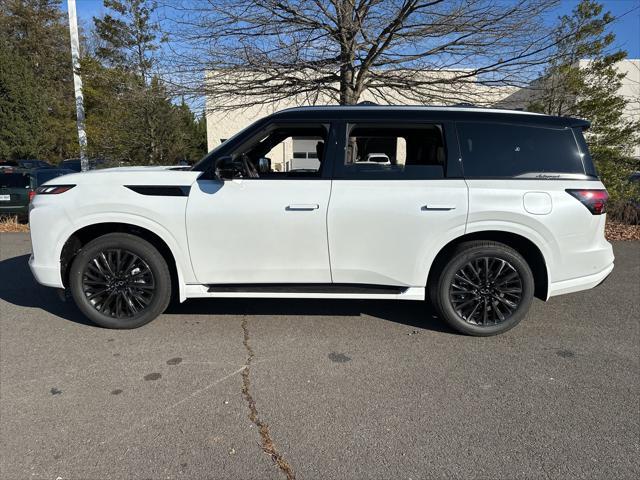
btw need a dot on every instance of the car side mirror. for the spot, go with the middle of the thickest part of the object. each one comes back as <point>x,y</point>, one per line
<point>264,165</point>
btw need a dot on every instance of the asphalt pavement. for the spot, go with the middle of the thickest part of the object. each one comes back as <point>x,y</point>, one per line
<point>311,389</point>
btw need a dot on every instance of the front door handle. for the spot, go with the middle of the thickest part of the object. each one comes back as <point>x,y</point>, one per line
<point>433,206</point>
<point>302,207</point>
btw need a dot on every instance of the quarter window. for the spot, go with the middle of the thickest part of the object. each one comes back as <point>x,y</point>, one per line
<point>494,150</point>
<point>393,152</point>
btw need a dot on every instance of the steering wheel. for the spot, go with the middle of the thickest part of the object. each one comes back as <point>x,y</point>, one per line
<point>248,167</point>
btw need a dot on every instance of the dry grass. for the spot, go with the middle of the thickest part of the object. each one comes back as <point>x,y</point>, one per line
<point>11,224</point>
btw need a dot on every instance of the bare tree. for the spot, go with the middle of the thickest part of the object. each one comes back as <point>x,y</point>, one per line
<point>248,52</point>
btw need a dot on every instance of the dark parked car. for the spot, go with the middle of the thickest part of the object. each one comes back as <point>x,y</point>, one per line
<point>31,164</point>
<point>14,192</point>
<point>74,164</point>
<point>38,177</point>
<point>18,187</point>
<point>8,165</point>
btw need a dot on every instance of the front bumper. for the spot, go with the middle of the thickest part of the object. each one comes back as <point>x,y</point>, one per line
<point>46,275</point>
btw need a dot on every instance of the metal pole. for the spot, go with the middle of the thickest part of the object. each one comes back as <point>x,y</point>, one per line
<point>77,83</point>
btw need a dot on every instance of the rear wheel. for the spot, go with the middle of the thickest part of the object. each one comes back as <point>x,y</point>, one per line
<point>120,281</point>
<point>485,288</point>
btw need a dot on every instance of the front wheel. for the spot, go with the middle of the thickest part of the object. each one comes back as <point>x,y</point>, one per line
<point>485,288</point>
<point>120,281</point>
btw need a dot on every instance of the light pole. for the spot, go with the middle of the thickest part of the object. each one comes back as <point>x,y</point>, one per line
<point>77,83</point>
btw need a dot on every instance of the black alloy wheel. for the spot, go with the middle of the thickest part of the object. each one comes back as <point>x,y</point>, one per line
<point>482,287</point>
<point>120,280</point>
<point>118,283</point>
<point>486,291</point>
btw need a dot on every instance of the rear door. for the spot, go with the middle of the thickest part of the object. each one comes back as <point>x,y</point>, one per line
<point>397,197</point>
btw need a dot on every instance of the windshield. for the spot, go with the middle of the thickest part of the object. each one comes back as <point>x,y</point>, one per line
<point>203,164</point>
<point>14,180</point>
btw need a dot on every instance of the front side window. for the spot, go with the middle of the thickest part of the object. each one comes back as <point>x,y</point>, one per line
<point>393,152</point>
<point>496,150</point>
<point>283,152</point>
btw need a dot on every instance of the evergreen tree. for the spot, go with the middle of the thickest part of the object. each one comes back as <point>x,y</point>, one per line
<point>38,104</point>
<point>21,108</point>
<point>590,91</point>
<point>148,127</point>
<point>129,38</point>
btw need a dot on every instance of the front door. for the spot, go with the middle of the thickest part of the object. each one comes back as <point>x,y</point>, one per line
<point>267,225</point>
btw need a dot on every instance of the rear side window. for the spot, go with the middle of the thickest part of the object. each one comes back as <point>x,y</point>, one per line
<point>390,152</point>
<point>496,150</point>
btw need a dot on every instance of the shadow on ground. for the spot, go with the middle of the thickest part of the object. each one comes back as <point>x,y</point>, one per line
<point>20,288</point>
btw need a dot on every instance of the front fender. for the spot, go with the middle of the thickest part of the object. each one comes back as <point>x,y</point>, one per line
<point>180,254</point>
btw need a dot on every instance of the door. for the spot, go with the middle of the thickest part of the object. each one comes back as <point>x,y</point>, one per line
<point>268,224</point>
<point>394,201</point>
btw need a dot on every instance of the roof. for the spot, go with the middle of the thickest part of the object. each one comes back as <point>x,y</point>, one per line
<point>420,112</point>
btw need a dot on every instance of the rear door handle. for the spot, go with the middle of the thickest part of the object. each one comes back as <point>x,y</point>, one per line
<point>435,207</point>
<point>302,207</point>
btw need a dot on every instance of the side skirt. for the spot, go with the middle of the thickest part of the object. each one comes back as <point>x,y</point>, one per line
<point>344,291</point>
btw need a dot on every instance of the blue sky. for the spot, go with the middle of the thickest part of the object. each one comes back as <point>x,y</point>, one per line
<point>626,28</point>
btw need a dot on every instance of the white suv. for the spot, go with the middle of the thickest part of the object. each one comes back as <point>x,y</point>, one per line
<point>478,210</point>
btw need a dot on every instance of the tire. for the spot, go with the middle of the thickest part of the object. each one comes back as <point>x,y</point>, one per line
<point>501,299</point>
<point>120,281</point>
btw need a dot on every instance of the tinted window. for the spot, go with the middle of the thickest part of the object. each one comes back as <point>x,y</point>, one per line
<point>391,152</point>
<point>501,150</point>
<point>14,180</point>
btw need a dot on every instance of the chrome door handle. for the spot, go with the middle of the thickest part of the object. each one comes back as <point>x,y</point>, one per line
<point>437,207</point>
<point>302,207</point>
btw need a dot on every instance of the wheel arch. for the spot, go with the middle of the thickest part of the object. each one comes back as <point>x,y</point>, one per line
<point>524,246</point>
<point>80,237</point>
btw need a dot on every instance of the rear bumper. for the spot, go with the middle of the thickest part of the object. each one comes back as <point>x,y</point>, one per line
<point>14,209</point>
<point>46,275</point>
<point>580,283</point>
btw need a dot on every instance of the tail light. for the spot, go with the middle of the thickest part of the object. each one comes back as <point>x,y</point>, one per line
<point>594,200</point>
<point>32,193</point>
<point>53,189</point>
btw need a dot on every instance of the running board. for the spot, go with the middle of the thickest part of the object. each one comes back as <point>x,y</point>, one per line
<point>345,291</point>
<point>344,288</point>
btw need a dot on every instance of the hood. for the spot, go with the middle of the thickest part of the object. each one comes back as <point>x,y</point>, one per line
<point>149,168</point>
<point>149,176</point>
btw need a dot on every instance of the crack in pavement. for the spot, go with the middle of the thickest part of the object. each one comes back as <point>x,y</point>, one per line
<point>267,443</point>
